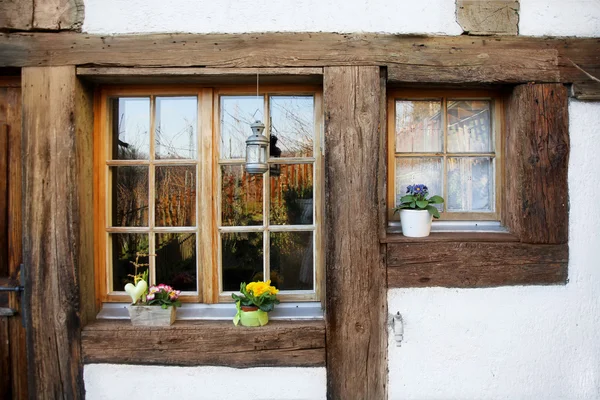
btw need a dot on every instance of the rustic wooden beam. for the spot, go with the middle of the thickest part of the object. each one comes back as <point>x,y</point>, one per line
<point>356,304</point>
<point>191,343</point>
<point>16,14</point>
<point>586,90</point>
<point>537,158</point>
<point>420,59</point>
<point>52,219</point>
<point>58,14</point>
<point>475,264</point>
<point>488,17</point>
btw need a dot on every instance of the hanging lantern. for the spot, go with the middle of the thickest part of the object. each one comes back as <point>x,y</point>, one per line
<point>256,150</point>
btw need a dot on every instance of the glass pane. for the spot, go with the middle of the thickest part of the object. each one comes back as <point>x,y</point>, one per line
<point>469,126</point>
<point>292,126</point>
<point>125,247</point>
<point>292,260</point>
<point>427,171</point>
<point>419,126</point>
<point>176,121</point>
<point>175,196</point>
<point>237,113</point>
<point>129,196</point>
<point>241,197</point>
<point>242,259</point>
<point>470,184</point>
<point>291,194</point>
<point>131,128</point>
<point>176,260</point>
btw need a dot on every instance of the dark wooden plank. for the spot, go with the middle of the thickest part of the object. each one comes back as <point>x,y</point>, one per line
<point>5,373</point>
<point>474,264</point>
<point>279,343</point>
<point>586,90</point>
<point>51,231</point>
<point>58,14</point>
<point>356,301</point>
<point>3,192</point>
<point>488,17</point>
<point>452,237</point>
<point>537,158</point>
<point>420,59</point>
<point>16,14</point>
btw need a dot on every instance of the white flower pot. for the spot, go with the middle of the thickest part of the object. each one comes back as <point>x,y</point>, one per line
<point>415,223</point>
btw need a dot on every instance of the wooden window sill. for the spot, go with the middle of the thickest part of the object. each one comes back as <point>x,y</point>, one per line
<point>194,343</point>
<point>472,260</point>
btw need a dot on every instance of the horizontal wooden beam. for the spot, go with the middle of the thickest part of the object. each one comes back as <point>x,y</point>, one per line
<point>475,264</point>
<point>191,343</point>
<point>453,237</point>
<point>422,59</point>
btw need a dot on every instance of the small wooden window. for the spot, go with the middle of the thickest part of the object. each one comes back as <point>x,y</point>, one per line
<point>451,142</point>
<point>171,184</point>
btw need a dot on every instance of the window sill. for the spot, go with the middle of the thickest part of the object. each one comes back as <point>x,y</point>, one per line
<point>216,343</point>
<point>472,260</point>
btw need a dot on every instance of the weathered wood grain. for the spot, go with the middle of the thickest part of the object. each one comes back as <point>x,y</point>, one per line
<point>453,237</point>
<point>51,231</point>
<point>58,14</point>
<point>475,264</point>
<point>586,90</point>
<point>537,155</point>
<point>279,343</point>
<point>488,17</point>
<point>3,195</point>
<point>356,305</point>
<point>16,14</point>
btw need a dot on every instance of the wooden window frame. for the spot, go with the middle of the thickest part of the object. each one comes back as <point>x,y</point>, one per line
<point>207,230</point>
<point>497,128</point>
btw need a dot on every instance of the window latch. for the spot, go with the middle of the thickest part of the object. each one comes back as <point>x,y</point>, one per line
<point>397,324</point>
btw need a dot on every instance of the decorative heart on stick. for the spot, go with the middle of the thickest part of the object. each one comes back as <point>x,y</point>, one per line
<point>136,291</point>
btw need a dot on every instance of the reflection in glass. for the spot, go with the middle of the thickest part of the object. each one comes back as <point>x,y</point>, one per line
<point>130,128</point>
<point>124,248</point>
<point>242,259</point>
<point>292,124</point>
<point>129,196</point>
<point>175,196</point>
<point>237,113</point>
<point>469,126</point>
<point>176,121</point>
<point>176,260</point>
<point>419,126</point>
<point>291,260</point>
<point>292,195</point>
<point>427,171</point>
<point>470,184</point>
<point>241,197</point>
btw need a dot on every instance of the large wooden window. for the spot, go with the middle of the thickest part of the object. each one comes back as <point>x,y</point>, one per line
<point>173,195</point>
<point>450,141</point>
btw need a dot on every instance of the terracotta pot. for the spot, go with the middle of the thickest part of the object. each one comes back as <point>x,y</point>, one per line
<point>249,308</point>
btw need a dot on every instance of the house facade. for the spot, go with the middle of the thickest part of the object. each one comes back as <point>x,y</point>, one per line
<point>495,104</point>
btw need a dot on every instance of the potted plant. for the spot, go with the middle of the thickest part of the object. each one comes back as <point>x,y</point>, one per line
<point>151,307</point>
<point>257,299</point>
<point>416,211</point>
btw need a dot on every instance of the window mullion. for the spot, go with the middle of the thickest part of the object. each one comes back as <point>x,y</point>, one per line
<point>267,200</point>
<point>151,196</point>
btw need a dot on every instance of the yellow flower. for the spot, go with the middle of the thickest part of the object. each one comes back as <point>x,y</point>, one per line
<point>258,288</point>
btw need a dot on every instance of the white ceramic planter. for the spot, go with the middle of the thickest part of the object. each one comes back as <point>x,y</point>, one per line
<point>415,223</point>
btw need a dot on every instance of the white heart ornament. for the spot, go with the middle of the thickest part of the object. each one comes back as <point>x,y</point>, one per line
<point>135,292</point>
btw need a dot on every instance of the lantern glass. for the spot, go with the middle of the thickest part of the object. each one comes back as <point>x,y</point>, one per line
<point>256,150</point>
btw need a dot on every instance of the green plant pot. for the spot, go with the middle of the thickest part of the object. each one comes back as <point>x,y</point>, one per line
<point>254,318</point>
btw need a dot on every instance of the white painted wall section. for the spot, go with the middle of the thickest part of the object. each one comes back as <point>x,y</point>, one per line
<point>234,16</point>
<point>531,342</point>
<point>116,382</point>
<point>560,18</point>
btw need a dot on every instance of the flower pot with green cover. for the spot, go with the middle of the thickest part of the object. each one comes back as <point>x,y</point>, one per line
<point>416,211</point>
<point>257,299</point>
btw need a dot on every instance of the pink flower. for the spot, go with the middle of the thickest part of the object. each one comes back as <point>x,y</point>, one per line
<point>150,297</point>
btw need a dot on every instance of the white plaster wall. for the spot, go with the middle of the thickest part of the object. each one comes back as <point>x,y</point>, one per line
<point>233,16</point>
<point>115,382</point>
<point>514,342</point>
<point>560,18</point>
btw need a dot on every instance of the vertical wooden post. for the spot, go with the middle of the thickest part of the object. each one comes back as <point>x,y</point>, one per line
<point>356,301</point>
<point>537,153</point>
<point>56,227</point>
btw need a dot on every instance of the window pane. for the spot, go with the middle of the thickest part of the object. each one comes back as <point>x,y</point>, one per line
<point>241,197</point>
<point>427,171</point>
<point>291,194</point>
<point>419,126</point>
<point>131,128</point>
<point>129,196</point>
<point>470,184</point>
<point>292,126</point>
<point>125,246</point>
<point>469,126</point>
<point>292,260</point>
<point>175,132</point>
<point>237,113</point>
<point>176,260</point>
<point>175,196</point>
<point>242,259</point>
